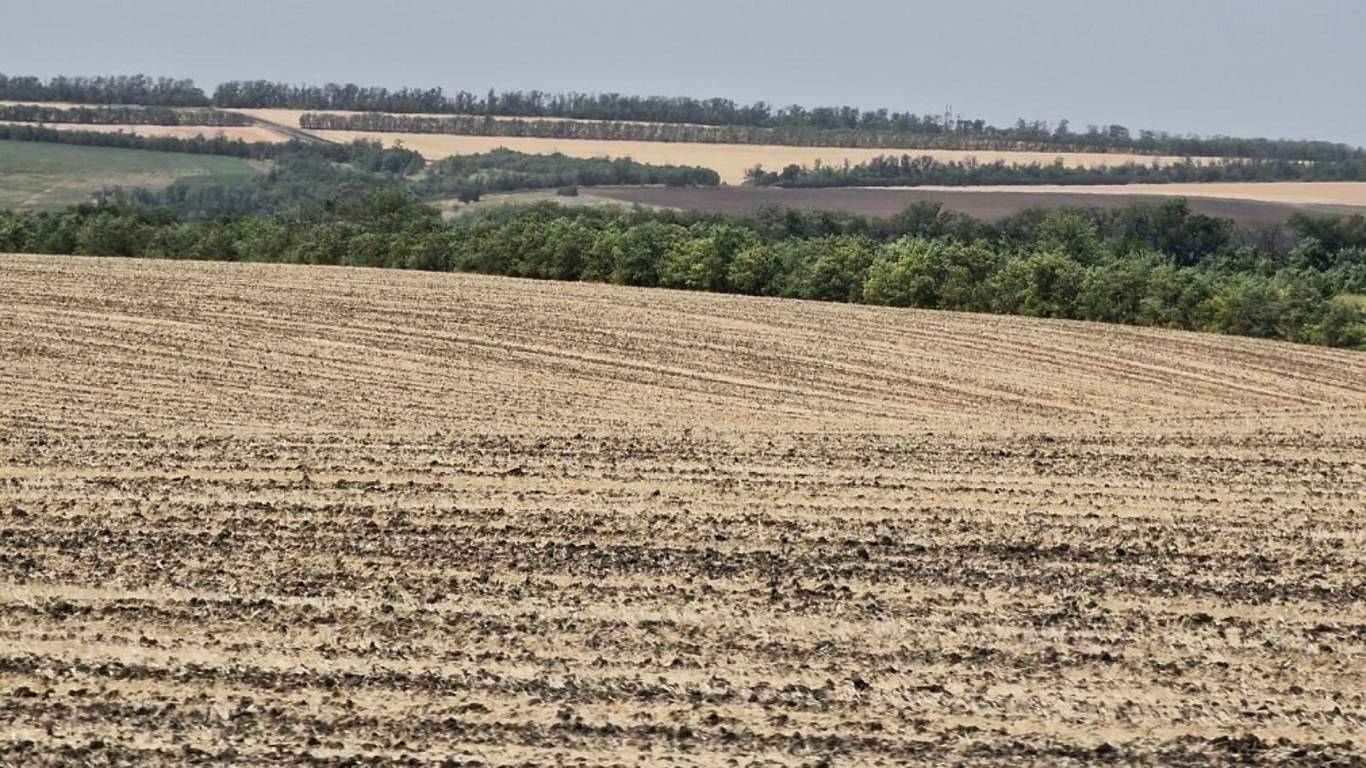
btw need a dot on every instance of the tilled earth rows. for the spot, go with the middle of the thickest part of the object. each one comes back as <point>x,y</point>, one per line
<point>274,515</point>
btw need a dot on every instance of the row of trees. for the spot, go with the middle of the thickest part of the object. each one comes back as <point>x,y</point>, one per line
<point>573,105</point>
<point>837,126</point>
<point>484,125</point>
<point>114,89</point>
<point>913,171</point>
<point>369,156</point>
<point>1066,264</point>
<point>826,126</point>
<point>216,144</point>
<point>121,115</point>
<point>474,125</point>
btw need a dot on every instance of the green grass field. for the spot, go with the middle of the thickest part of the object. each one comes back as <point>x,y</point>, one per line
<point>41,176</point>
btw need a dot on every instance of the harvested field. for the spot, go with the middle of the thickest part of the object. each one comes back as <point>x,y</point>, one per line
<point>270,514</point>
<point>249,133</point>
<point>990,203</point>
<point>729,160</point>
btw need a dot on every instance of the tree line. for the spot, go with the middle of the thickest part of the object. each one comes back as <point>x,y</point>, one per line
<point>485,125</point>
<point>475,125</point>
<point>368,154</point>
<point>826,126</point>
<point>913,171</point>
<point>109,89</point>
<point>1154,265</point>
<point>122,115</point>
<point>306,172</point>
<point>197,145</point>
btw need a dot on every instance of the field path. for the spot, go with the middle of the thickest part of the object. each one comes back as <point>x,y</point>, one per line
<point>267,514</point>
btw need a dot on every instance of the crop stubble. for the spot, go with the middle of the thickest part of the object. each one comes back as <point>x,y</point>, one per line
<point>264,513</point>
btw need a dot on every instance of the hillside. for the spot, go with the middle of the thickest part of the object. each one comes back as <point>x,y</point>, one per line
<point>41,176</point>
<point>260,513</point>
<point>734,162</point>
<point>728,159</point>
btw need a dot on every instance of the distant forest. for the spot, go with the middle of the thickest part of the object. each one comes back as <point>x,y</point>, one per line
<point>112,89</point>
<point>875,128</point>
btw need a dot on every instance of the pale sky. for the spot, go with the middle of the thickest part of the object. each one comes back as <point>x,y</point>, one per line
<point>1241,67</point>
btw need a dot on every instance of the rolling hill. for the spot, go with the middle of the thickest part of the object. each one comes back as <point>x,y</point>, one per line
<point>262,513</point>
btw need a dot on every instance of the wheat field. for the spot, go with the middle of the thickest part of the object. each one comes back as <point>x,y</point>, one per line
<point>248,133</point>
<point>729,160</point>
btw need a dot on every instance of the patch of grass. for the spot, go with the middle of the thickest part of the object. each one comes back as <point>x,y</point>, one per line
<point>41,176</point>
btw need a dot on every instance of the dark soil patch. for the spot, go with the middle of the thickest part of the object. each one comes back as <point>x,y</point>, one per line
<point>987,205</point>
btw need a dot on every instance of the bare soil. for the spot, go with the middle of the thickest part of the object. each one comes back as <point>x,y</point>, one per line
<point>261,514</point>
<point>983,203</point>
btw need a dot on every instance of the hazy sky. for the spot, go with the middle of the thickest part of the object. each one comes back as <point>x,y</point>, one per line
<point>1245,67</point>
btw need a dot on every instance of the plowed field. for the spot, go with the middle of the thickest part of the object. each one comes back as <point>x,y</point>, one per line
<point>284,515</point>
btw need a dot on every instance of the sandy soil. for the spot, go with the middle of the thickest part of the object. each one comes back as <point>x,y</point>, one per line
<point>262,514</point>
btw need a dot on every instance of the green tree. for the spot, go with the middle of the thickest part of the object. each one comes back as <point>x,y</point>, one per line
<point>112,235</point>
<point>327,243</point>
<point>839,269</point>
<point>702,262</point>
<point>915,272</point>
<point>1343,325</point>
<point>1071,233</point>
<point>1246,306</point>
<point>1042,285</point>
<point>760,270</point>
<point>434,252</point>
<point>1114,292</point>
<point>639,252</point>
<point>1176,297</point>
